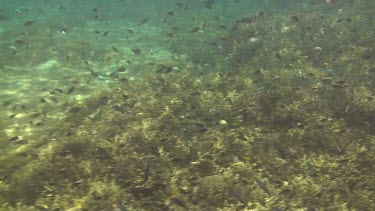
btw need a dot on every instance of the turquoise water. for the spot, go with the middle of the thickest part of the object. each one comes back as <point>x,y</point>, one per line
<point>187,105</point>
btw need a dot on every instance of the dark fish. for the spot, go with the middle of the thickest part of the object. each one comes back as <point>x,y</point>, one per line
<point>170,13</point>
<point>12,116</point>
<point>311,169</point>
<point>54,100</point>
<point>71,90</point>
<point>147,173</point>
<point>97,32</point>
<point>121,69</point>
<point>59,90</point>
<point>4,17</point>
<point>165,69</point>
<point>106,33</point>
<point>22,142</point>
<point>179,5</point>
<point>62,8</point>
<point>196,29</point>
<point>246,20</point>
<point>263,186</point>
<point>34,115</point>
<point>137,51</point>
<point>75,109</point>
<point>121,207</point>
<point>15,138</point>
<point>260,14</point>
<point>92,72</point>
<point>277,55</point>
<point>114,75</point>
<point>38,124</point>
<point>295,18</point>
<point>239,198</point>
<point>130,31</point>
<point>143,21</point>
<point>114,49</point>
<point>6,103</point>
<point>178,202</point>
<point>19,42</point>
<point>124,80</point>
<point>28,23</point>
<point>172,34</point>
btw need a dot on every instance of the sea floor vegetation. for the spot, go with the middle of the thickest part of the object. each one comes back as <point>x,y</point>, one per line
<point>281,118</point>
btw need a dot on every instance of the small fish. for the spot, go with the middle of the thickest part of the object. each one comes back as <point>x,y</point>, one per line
<point>62,8</point>
<point>19,42</point>
<point>143,21</point>
<point>180,5</point>
<point>147,173</point>
<point>4,17</point>
<point>97,32</point>
<point>121,69</point>
<point>12,116</point>
<point>75,109</point>
<point>295,18</point>
<point>196,29</point>
<point>347,108</point>
<point>6,103</point>
<point>114,75</point>
<point>59,90</point>
<point>71,90</point>
<point>92,72</point>
<point>121,207</point>
<point>14,138</point>
<point>22,142</point>
<point>130,31</point>
<point>239,198</point>
<point>38,124</point>
<point>137,51</point>
<point>178,202</point>
<point>106,33</point>
<point>263,186</point>
<point>54,100</point>
<point>172,34</point>
<point>34,115</point>
<point>124,80</point>
<point>277,55</point>
<point>170,13</point>
<point>28,23</point>
<point>114,49</point>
